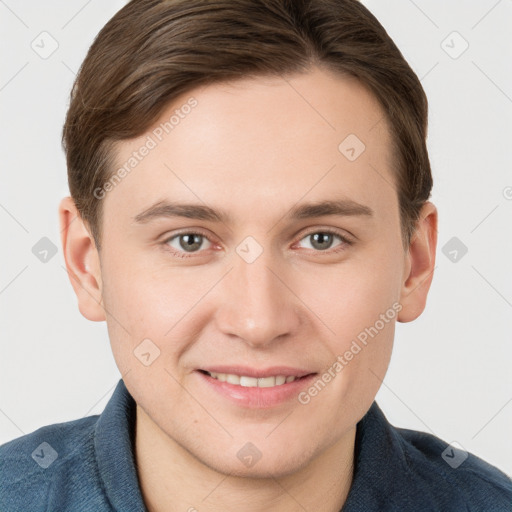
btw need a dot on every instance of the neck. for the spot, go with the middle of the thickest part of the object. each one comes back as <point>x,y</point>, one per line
<point>172,479</point>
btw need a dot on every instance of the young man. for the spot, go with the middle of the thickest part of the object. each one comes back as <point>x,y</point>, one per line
<point>249,214</point>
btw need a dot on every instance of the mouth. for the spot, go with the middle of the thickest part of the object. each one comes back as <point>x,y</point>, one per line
<point>248,381</point>
<point>255,388</point>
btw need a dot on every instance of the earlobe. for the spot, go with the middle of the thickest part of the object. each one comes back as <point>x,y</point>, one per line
<point>420,264</point>
<point>82,261</point>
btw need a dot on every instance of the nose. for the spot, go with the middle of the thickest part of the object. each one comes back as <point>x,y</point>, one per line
<point>256,303</point>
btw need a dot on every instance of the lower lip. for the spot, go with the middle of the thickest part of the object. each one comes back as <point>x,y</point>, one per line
<point>256,397</point>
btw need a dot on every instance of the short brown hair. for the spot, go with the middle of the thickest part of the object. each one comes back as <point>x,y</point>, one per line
<point>151,51</point>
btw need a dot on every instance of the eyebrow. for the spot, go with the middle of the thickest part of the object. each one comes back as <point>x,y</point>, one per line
<point>166,209</point>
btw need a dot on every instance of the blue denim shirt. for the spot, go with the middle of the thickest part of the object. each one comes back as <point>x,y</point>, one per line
<point>89,465</point>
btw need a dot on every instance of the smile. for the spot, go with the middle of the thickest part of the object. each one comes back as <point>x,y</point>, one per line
<point>255,388</point>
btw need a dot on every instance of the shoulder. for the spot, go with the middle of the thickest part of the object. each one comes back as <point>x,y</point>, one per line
<point>36,466</point>
<point>451,471</point>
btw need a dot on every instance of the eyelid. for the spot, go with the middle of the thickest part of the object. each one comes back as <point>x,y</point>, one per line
<point>344,235</point>
<point>188,231</point>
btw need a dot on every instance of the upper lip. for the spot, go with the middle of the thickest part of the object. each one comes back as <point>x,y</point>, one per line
<point>272,371</point>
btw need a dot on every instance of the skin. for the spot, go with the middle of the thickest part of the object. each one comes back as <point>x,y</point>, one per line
<point>255,148</point>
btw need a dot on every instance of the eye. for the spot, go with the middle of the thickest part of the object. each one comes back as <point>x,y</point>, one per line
<point>322,240</point>
<point>187,242</point>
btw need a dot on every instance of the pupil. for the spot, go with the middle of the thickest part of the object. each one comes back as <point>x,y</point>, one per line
<point>319,238</point>
<point>189,242</point>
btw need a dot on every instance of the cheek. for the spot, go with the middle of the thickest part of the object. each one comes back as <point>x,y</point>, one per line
<point>148,301</point>
<point>139,306</point>
<point>358,303</point>
<point>352,296</point>
<point>141,293</point>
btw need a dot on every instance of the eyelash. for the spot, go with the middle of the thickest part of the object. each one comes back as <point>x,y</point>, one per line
<point>346,242</point>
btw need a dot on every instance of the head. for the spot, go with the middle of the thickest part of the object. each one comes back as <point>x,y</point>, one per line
<point>249,182</point>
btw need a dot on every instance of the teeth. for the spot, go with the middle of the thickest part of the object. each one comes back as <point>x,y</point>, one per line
<point>248,382</point>
<point>252,382</point>
<point>232,379</point>
<point>266,382</point>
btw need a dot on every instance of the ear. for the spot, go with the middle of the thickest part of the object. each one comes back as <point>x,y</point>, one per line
<point>419,265</point>
<point>82,261</point>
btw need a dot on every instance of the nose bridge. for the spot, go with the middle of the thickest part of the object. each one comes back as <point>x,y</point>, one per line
<point>255,305</point>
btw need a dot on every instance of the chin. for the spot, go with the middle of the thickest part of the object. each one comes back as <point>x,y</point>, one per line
<point>258,471</point>
<point>248,462</point>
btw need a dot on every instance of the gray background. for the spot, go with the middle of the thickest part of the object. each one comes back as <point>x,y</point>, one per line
<point>450,372</point>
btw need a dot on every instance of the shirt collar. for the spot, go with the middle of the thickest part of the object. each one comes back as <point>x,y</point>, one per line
<point>379,463</point>
<point>115,451</point>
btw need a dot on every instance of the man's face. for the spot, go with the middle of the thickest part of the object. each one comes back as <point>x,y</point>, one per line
<point>261,288</point>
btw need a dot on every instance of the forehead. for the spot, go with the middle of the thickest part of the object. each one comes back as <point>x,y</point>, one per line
<point>261,142</point>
